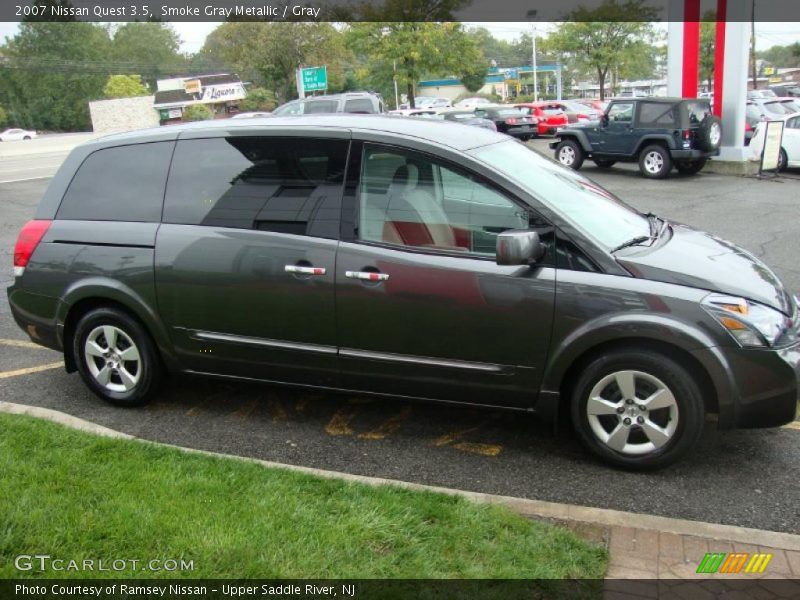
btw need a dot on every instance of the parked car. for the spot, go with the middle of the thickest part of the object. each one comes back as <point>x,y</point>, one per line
<point>350,102</point>
<point>789,155</point>
<point>472,103</point>
<point>549,116</point>
<point>419,101</point>
<point>772,108</point>
<point>761,94</point>
<point>14,134</point>
<point>576,112</point>
<point>467,117</point>
<point>436,103</point>
<point>788,89</point>
<point>655,132</point>
<point>299,250</point>
<point>413,112</point>
<point>509,120</point>
<point>596,105</point>
<point>251,115</point>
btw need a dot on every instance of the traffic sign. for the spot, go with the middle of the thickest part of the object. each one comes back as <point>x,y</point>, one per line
<point>314,79</point>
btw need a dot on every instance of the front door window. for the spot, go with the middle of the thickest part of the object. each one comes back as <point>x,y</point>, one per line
<point>408,199</point>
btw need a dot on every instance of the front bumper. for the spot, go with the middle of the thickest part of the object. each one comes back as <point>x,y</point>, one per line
<point>756,388</point>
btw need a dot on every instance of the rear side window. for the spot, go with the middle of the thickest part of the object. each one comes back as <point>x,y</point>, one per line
<point>321,106</point>
<point>271,184</point>
<point>658,114</point>
<point>359,105</point>
<point>124,183</point>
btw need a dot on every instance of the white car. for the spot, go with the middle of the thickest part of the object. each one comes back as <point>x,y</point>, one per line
<point>413,112</point>
<point>790,146</point>
<point>251,115</point>
<point>10,135</point>
<point>471,103</point>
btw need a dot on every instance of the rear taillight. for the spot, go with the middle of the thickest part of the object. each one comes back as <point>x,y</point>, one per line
<point>583,117</point>
<point>748,127</point>
<point>28,239</point>
<point>687,134</point>
<point>511,121</point>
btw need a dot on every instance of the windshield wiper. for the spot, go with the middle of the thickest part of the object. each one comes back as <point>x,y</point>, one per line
<point>634,242</point>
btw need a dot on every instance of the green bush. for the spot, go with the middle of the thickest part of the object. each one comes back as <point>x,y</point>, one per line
<point>197,112</point>
<point>258,99</point>
<point>3,116</point>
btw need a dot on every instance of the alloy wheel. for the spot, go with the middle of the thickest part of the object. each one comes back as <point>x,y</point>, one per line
<point>632,412</point>
<point>113,358</point>
<point>653,162</point>
<point>715,134</point>
<point>566,156</point>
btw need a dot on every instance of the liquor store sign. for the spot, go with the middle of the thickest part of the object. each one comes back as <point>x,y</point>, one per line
<point>223,93</point>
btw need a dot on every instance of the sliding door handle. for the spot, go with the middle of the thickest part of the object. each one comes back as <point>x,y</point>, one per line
<point>298,270</point>
<point>366,275</point>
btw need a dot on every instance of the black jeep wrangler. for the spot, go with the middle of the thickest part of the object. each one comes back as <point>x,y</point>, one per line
<point>656,132</point>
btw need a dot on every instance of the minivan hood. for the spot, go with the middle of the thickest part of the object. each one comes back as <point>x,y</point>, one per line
<point>698,259</point>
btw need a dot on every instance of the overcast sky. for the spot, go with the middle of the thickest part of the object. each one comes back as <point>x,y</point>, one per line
<point>194,34</point>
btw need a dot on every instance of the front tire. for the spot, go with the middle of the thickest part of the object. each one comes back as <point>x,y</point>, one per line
<point>116,358</point>
<point>637,409</point>
<point>655,162</point>
<point>570,154</point>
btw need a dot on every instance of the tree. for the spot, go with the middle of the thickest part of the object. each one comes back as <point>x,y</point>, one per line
<point>125,86</point>
<point>417,49</point>
<point>3,117</point>
<point>148,48</point>
<point>782,56</point>
<point>708,39</point>
<point>197,112</point>
<point>50,73</point>
<point>258,99</point>
<point>268,54</point>
<point>599,40</point>
<point>473,76</point>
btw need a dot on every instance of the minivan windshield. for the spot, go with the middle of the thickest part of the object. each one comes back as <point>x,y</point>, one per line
<point>594,211</point>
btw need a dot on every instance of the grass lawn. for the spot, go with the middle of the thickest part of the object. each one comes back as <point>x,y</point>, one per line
<point>77,496</point>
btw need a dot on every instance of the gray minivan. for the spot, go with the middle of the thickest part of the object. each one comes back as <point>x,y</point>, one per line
<point>365,103</point>
<point>403,257</point>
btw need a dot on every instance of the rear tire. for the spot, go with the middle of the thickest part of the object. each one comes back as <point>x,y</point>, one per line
<point>783,160</point>
<point>570,154</point>
<point>116,358</point>
<point>637,409</point>
<point>690,167</point>
<point>655,162</point>
<point>27,137</point>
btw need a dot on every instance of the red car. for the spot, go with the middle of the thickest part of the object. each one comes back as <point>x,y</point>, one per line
<point>549,116</point>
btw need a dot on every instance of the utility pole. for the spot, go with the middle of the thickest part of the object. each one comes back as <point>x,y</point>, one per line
<point>396,95</point>
<point>753,68</point>
<point>532,16</point>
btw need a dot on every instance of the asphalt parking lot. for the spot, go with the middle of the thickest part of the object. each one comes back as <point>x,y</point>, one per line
<point>747,478</point>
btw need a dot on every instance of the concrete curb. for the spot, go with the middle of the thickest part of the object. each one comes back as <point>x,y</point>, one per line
<point>529,508</point>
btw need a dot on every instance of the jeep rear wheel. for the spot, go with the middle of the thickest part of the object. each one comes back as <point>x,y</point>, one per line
<point>690,167</point>
<point>655,162</point>
<point>570,154</point>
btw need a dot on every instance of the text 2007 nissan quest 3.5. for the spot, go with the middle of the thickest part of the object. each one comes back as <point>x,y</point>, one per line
<point>418,259</point>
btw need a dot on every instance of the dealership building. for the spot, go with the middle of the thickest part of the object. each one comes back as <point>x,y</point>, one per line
<point>221,93</point>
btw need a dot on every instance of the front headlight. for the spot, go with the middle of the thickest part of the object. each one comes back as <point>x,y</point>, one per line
<point>750,323</point>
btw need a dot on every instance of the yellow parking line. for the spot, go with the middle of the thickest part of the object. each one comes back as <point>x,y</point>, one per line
<point>29,370</point>
<point>793,425</point>
<point>245,411</point>
<point>388,427</point>
<point>340,421</point>
<point>449,438</point>
<point>21,344</point>
<point>482,449</point>
<point>277,411</point>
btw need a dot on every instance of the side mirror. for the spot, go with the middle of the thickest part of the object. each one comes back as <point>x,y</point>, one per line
<point>519,247</point>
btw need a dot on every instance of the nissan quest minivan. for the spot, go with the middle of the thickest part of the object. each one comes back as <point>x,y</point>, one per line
<point>418,259</point>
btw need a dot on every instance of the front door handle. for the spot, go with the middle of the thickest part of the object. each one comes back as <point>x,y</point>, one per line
<point>298,270</point>
<point>366,275</point>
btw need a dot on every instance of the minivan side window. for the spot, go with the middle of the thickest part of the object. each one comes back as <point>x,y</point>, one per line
<point>409,199</point>
<point>122,183</point>
<point>359,105</point>
<point>286,185</point>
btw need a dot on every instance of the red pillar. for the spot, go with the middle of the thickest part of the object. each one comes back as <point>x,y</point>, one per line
<point>691,47</point>
<point>719,55</point>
